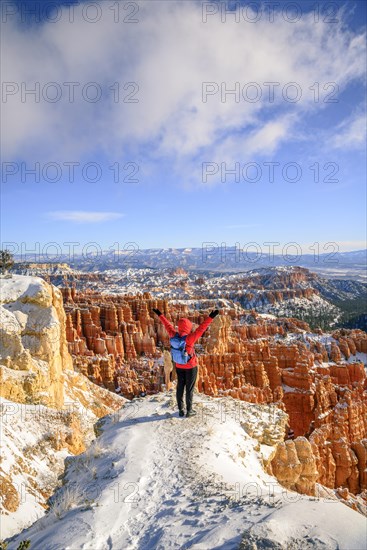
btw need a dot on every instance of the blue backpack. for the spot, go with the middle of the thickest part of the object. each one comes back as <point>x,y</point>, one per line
<point>178,349</point>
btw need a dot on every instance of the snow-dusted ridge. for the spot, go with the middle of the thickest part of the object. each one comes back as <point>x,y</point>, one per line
<point>153,480</point>
<point>47,410</point>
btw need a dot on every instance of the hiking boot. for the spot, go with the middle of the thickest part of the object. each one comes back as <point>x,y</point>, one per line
<point>182,412</point>
<point>190,413</point>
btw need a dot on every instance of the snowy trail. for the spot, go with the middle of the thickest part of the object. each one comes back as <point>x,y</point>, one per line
<point>153,480</point>
<point>173,446</point>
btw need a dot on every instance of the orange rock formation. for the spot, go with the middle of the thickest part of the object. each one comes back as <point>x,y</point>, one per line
<point>118,342</point>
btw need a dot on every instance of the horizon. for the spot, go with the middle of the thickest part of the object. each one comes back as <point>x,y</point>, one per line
<point>344,265</point>
<point>103,251</point>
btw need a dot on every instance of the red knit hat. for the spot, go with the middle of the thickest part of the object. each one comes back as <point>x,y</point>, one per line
<point>184,326</point>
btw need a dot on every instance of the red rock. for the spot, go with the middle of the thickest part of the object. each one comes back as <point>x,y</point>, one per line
<point>115,340</point>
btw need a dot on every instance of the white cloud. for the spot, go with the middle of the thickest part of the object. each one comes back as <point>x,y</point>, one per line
<point>351,133</point>
<point>81,216</point>
<point>169,54</point>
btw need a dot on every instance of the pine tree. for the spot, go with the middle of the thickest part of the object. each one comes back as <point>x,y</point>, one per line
<point>6,261</point>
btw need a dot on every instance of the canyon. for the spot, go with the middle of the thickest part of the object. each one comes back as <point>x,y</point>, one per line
<point>76,352</point>
<point>317,378</point>
<point>287,291</point>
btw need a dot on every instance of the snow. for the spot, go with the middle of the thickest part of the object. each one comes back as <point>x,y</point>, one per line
<point>15,287</point>
<point>292,389</point>
<point>267,316</point>
<point>25,309</point>
<point>358,357</point>
<point>319,525</point>
<point>24,430</point>
<point>153,480</point>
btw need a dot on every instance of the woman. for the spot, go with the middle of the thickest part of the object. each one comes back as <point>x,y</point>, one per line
<point>186,373</point>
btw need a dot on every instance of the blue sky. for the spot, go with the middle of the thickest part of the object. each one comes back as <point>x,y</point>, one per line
<point>169,136</point>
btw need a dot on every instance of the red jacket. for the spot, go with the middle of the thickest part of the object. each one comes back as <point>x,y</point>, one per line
<point>184,327</point>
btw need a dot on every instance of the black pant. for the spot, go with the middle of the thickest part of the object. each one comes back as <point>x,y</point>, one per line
<point>186,378</point>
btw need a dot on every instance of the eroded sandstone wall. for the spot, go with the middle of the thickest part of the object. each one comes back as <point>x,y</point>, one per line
<point>316,378</point>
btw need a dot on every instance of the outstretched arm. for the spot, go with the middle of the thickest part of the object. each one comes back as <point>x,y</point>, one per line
<point>167,325</point>
<point>203,326</point>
